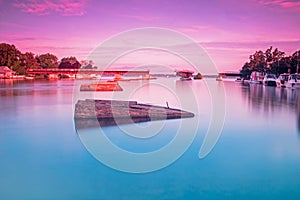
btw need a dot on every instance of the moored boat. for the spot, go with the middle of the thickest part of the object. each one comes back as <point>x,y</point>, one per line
<point>282,80</point>
<point>294,81</point>
<point>270,80</point>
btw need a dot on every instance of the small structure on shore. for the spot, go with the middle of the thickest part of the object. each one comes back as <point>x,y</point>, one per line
<point>92,113</point>
<point>6,72</point>
<point>257,77</point>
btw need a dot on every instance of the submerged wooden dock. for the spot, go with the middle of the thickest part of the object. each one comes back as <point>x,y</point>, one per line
<point>101,87</point>
<point>91,113</point>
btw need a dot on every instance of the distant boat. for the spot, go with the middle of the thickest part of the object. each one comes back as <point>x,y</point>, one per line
<point>270,80</point>
<point>283,80</point>
<point>18,77</point>
<point>229,76</point>
<point>198,76</point>
<point>29,78</point>
<point>219,78</point>
<point>185,78</point>
<point>185,75</point>
<point>294,81</point>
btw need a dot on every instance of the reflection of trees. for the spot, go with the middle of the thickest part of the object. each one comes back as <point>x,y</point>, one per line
<point>260,98</point>
<point>11,87</point>
<point>8,86</point>
<point>265,100</point>
<point>298,120</point>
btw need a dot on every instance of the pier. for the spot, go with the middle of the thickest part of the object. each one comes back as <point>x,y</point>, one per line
<point>57,71</point>
<point>92,113</point>
<point>101,87</point>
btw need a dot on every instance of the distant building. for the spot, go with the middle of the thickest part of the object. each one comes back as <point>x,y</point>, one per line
<point>5,72</point>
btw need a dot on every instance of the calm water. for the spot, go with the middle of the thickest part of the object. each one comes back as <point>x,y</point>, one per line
<point>256,157</point>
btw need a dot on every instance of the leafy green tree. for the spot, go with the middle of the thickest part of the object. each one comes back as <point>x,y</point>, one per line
<point>47,60</point>
<point>9,56</point>
<point>27,61</point>
<point>87,64</point>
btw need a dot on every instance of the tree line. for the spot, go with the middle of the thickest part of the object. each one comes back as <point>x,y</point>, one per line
<point>271,61</point>
<point>19,62</point>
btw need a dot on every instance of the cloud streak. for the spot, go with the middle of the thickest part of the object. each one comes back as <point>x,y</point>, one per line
<point>286,4</point>
<point>195,28</point>
<point>141,17</point>
<point>45,7</point>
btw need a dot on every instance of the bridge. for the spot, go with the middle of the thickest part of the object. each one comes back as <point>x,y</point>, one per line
<point>57,71</point>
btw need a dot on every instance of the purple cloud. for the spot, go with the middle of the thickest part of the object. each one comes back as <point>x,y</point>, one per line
<point>286,4</point>
<point>45,7</point>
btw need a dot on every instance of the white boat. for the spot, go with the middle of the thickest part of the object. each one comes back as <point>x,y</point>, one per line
<point>294,81</point>
<point>270,80</point>
<point>229,76</point>
<point>28,78</point>
<point>185,78</point>
<point>283,80</point>
<point>19,77</point>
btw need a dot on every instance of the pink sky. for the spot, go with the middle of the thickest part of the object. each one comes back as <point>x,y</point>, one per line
<point>229,30</point>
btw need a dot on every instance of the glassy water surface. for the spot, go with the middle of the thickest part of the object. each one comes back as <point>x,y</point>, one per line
<point>257,155</point>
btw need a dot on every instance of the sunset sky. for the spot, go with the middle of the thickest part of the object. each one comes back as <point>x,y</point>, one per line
<point>229,30</point>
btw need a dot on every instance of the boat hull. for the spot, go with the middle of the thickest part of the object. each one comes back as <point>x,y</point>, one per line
<point>270,83</point>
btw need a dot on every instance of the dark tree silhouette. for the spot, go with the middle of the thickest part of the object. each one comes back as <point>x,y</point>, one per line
<point>69,63</point>
<point>271,61</point>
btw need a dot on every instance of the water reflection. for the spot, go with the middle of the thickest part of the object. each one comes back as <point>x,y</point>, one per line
<point>298,126</point>
<point>10,87</point>
<point>272,101</point>
<point>40,152</point>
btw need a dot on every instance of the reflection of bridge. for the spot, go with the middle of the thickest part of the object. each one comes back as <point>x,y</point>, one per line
<point>84,71</point>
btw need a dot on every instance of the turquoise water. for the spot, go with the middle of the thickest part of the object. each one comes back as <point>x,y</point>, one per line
<point>256,157</point>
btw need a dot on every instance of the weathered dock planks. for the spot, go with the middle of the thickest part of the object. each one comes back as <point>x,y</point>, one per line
<point>91,112</point>
<point>101,87</point>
